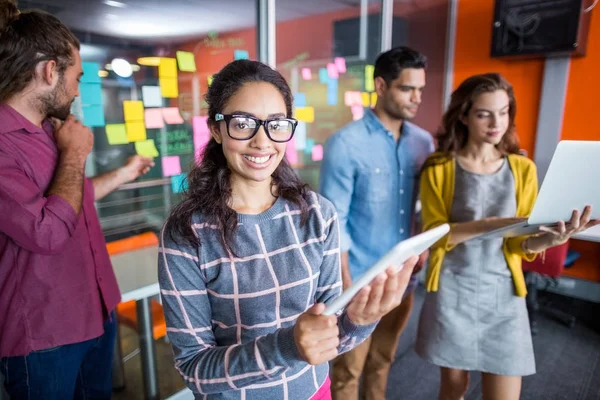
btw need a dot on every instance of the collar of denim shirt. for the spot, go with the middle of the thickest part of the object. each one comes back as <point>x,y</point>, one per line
<point>374,124</point>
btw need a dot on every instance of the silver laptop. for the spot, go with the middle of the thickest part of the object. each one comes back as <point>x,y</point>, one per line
<point>572,182</point>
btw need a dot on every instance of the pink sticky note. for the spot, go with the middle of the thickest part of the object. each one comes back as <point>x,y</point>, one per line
<point>201,135</point>
<point>172,116</point>
<point>352,98</point>
<point>171,166</point>
<point>306,74</point>
<point>317,152</point>
<point>291,152</point>
<point>357,112</point>
<point>332,71</point>
<point>153,118</point>
<point>340,63</point>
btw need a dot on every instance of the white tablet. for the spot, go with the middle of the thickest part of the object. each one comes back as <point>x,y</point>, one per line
<point>396,256</point>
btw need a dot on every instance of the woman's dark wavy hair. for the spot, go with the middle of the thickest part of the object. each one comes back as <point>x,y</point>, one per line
<point>454,134</point>
<point>209,186</point>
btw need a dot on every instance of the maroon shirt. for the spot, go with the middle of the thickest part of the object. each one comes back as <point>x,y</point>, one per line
<point>56,280</point>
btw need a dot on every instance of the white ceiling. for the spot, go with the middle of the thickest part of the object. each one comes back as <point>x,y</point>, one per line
<point>162,20</point>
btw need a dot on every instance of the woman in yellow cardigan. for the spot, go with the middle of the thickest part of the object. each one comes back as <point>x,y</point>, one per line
<point>474,317</point>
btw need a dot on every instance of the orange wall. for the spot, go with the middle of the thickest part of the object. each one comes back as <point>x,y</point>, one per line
<point>472,56</point>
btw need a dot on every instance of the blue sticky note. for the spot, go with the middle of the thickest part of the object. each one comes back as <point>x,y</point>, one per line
<point>310,143</point>
<point>240,55</point>
<point>323,75</point>
<point>93,115</point>
<point>300,135</point>
<point>90,72</point>
<point>300,100</point>
<point>179,183</point>
<point>91,93</point>
<point>332,92</point>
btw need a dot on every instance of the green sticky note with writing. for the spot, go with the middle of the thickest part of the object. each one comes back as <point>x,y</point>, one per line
<point>116,134</point>
<point>146,148</point>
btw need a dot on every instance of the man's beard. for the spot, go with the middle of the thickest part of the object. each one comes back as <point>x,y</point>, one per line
<point>54,105</point>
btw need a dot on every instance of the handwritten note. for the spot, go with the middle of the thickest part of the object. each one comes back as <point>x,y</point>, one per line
<point>240,55</point>
<point>171,165</point>
<point>154,118</point>
<point>151,96</point>
<point>136,131</point>
<point>116,134</point>
<point>300,100</point>
<point>369,82</point>
<point>332,71</point>
<point>172,116</point>
<point>169,87</point>
<point>179,183</point>
<point>340,63</point>
<point>146,148</point>
<point>306,114</point>
<point>186,61</point>
<point>167,68</point>
<point>306,74</point>
<point>133,110</point>
<point>317,152</point>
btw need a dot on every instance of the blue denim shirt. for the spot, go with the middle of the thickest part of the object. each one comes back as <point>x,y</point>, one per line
<point>373,181</point>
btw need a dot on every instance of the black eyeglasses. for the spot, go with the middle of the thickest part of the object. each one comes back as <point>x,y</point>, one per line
<point>244,127</point>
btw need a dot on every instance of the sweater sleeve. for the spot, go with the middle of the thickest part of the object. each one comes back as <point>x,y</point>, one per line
<point>433,207</point>
<point>330,282</point>
<point>206,366</point>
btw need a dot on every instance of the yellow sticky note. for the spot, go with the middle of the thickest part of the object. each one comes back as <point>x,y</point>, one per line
<point>306,114</point>
<point>146,148</point>
<point>167,68</point>
<point>186,61</point>
<point>369,83</point>
<point>133,110</point>
<point>366,99</point>
<point>116,134</point>
<point>136,131</point>
<point>373,99</point>
<point>169,88</point>
<point>210,79</point>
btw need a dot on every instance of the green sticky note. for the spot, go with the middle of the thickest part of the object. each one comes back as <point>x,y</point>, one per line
<point>116,134</point>
<point>186,61</point>
<point>369,82</point>
<point>146,148</point>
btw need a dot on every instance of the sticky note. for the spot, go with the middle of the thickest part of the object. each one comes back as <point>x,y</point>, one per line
<point>317,152</point>
<point>332,71</point>
<point>300,135</point>
<point>186,61</point>
<point>373,99</point>
<point>309,146</point>
<point>151,96</point>
<point>306,74</point>
<point>306,114</point>
<point>154,118</point>
<point>369,82</point>
<point>90,93</point>
<point>340,63</point>
<point>133,110</point>
<point>171,165</point>
<point>90,72</point>
<point>352,98</point>
<point>167,68</point>
<point>291,153</point>
<point>210,79</point>
<point>201,134</point>
<point>332,92</point>
<point>179,183</point>
<point>93,115</point>
<point>168,87</point>
<point>116,134</point>
<point>240,55</point>
<point>300,100</point>
<point>323,75</point>
<point>146,148</point>
<point>366,99</point>
<point>172,116</point>
<point>357,112</point>
<point>136,131</point>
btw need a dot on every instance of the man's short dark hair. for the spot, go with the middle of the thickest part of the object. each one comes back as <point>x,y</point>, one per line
<point>390,64</point>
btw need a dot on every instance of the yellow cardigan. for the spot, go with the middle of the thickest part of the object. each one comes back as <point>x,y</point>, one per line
<point>437,192</point>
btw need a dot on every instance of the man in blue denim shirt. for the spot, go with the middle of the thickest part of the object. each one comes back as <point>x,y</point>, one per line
<point>371,174</point>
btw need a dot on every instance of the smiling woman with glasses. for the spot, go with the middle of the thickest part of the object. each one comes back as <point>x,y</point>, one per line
<point>251,256</point>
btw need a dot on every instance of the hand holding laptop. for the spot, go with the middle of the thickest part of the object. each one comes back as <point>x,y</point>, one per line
<point>561,232</point>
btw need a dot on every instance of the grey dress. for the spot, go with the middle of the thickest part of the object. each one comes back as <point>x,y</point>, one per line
<point>475,321</point>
